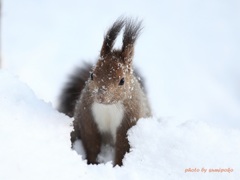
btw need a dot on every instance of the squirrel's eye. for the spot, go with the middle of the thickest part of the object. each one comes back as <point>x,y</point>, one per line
<point>121,82</point>
<point>91,76</point>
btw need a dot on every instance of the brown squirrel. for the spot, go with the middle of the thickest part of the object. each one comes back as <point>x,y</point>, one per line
<point>112,99</point>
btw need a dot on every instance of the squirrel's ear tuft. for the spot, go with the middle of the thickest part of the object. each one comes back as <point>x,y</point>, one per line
<point>128,53</point>
<point>111,36</point>
<point>130,35</point>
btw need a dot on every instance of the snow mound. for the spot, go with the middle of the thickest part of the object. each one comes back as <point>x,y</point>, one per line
<point>35,144</point>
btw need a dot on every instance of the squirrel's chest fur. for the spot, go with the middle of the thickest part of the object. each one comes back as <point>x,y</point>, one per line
<point>108,117</point>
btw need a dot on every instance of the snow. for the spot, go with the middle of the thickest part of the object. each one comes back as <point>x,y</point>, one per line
<point>35,144</point>
<point>189,55</point>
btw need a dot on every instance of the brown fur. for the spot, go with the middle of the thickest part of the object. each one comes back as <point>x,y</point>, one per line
<point>103,86</point>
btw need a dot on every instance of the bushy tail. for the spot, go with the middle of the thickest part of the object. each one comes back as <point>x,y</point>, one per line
<point>73,88</point>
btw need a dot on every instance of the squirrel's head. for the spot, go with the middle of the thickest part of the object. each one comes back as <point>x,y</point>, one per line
<point>112,78</point>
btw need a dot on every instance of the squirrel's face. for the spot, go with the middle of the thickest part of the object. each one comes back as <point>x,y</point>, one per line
<point>112,78</point>
<point>110,81</point>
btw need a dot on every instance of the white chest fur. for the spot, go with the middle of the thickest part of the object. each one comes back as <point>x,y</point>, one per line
<point>108,117</point>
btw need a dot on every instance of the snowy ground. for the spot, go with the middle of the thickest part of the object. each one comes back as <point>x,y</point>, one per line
<point>35,145</point>
<point>189,54</point>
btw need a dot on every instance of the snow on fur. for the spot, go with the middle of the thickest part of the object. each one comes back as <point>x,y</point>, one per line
<point>35,144</point>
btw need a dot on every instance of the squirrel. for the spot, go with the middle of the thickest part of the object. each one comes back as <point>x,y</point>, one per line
<point>108,99</point>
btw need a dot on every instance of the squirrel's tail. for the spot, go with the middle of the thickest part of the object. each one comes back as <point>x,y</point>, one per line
<point>72,89</point>
<point>74,86</point>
